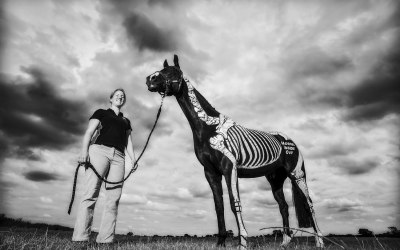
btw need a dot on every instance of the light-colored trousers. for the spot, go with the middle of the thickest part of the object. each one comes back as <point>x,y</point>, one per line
<point>109,162</point>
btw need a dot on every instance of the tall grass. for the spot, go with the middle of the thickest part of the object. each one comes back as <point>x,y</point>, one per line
<point>22,238</point>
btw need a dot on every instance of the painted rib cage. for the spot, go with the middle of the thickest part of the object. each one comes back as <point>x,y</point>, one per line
<point>252,148</point>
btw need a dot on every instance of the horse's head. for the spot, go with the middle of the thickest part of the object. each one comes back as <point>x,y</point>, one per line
<point>167,81</point>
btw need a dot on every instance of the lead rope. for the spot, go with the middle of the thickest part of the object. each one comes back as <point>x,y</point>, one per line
<point>304,231</point>
<point>133,169</point>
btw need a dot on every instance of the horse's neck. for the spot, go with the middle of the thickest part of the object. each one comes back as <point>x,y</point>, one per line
<point>200,114</point>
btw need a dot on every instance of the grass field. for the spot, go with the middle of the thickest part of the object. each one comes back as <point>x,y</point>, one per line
<point>31,238</point>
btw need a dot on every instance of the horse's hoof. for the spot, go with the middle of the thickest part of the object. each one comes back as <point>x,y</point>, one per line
<point>221,243</point>
<point>283,246</point>
<point>319,242</point>
<point>285,242</point>
<point>320,245</point>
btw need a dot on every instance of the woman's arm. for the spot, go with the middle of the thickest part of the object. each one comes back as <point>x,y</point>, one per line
<point>129,149</point>
<point>84,157</point>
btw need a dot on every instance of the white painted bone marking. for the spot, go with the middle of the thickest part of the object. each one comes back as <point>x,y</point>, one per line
<point>255,148</point>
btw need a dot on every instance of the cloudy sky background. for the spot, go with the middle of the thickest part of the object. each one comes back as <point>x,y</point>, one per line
<point>326,73</point>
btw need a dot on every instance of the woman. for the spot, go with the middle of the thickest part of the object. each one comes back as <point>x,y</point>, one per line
<point>106,154</point>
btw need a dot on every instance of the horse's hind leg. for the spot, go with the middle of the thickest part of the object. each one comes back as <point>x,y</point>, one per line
<point>277,179</point>
<point>301,195</point>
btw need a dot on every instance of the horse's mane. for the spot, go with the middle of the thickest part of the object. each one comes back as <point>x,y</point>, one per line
<point>210,110</point>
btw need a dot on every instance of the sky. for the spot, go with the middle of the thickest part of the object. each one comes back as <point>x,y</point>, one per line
<point>325,73</point>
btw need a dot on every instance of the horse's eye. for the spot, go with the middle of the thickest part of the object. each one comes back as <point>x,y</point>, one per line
<point>154,75</point>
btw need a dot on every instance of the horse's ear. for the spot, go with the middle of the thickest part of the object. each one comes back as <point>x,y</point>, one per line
<point>176,61</point>
<point>165,63</point>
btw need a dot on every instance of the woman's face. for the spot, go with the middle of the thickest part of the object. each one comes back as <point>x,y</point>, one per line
<point>118,99</point>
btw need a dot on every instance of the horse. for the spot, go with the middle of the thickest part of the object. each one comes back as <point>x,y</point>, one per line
<point>225,148</point>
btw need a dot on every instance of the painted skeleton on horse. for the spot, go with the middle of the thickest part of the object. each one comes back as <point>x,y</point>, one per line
<point>227,149</point>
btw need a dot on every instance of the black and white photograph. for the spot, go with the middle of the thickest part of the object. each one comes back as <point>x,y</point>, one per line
<point>227,124</point>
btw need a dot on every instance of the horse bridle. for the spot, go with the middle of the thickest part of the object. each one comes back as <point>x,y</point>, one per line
<point>168,83</point>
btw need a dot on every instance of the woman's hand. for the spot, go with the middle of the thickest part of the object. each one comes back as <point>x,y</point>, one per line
<point>129,149</point>
<point>134,166</point>
<point>84,157</point>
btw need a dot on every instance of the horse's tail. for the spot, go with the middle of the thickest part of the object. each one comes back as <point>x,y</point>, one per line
<point>301,205</point>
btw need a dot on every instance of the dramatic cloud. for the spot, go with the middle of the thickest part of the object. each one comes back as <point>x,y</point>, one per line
<point>379,94</point>
<point>199,191</point>
<point>321,70</point>
<point>40,176</point>
<point>34,114</point>
<point>168,3</point>
<point>343,205</point>
<point>26,153</point>
<point>150,25</point>
<point>318,63</point>
<point>2,31</point>
<point>146,35</point>
<point>355,166</point>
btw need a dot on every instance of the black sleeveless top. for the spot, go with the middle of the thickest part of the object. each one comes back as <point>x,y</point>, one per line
<point>113,129</point>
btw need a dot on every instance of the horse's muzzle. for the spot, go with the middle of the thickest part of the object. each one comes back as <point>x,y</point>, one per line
<point>151,86</point>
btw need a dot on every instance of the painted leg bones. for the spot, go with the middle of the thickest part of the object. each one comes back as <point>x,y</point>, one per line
<point>298,174</point>
<point>218,143</point>
<point>238,209</point>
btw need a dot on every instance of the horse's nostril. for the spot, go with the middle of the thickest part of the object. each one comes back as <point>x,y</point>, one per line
<point>151,86</point>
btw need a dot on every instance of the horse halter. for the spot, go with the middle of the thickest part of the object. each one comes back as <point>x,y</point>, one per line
<point>168,83</point>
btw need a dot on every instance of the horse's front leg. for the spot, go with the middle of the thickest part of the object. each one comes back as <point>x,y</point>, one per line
<point>233,189</point>
<point>215,181</point>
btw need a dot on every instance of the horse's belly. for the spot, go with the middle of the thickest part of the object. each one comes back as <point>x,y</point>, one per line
<point>246,172</point>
